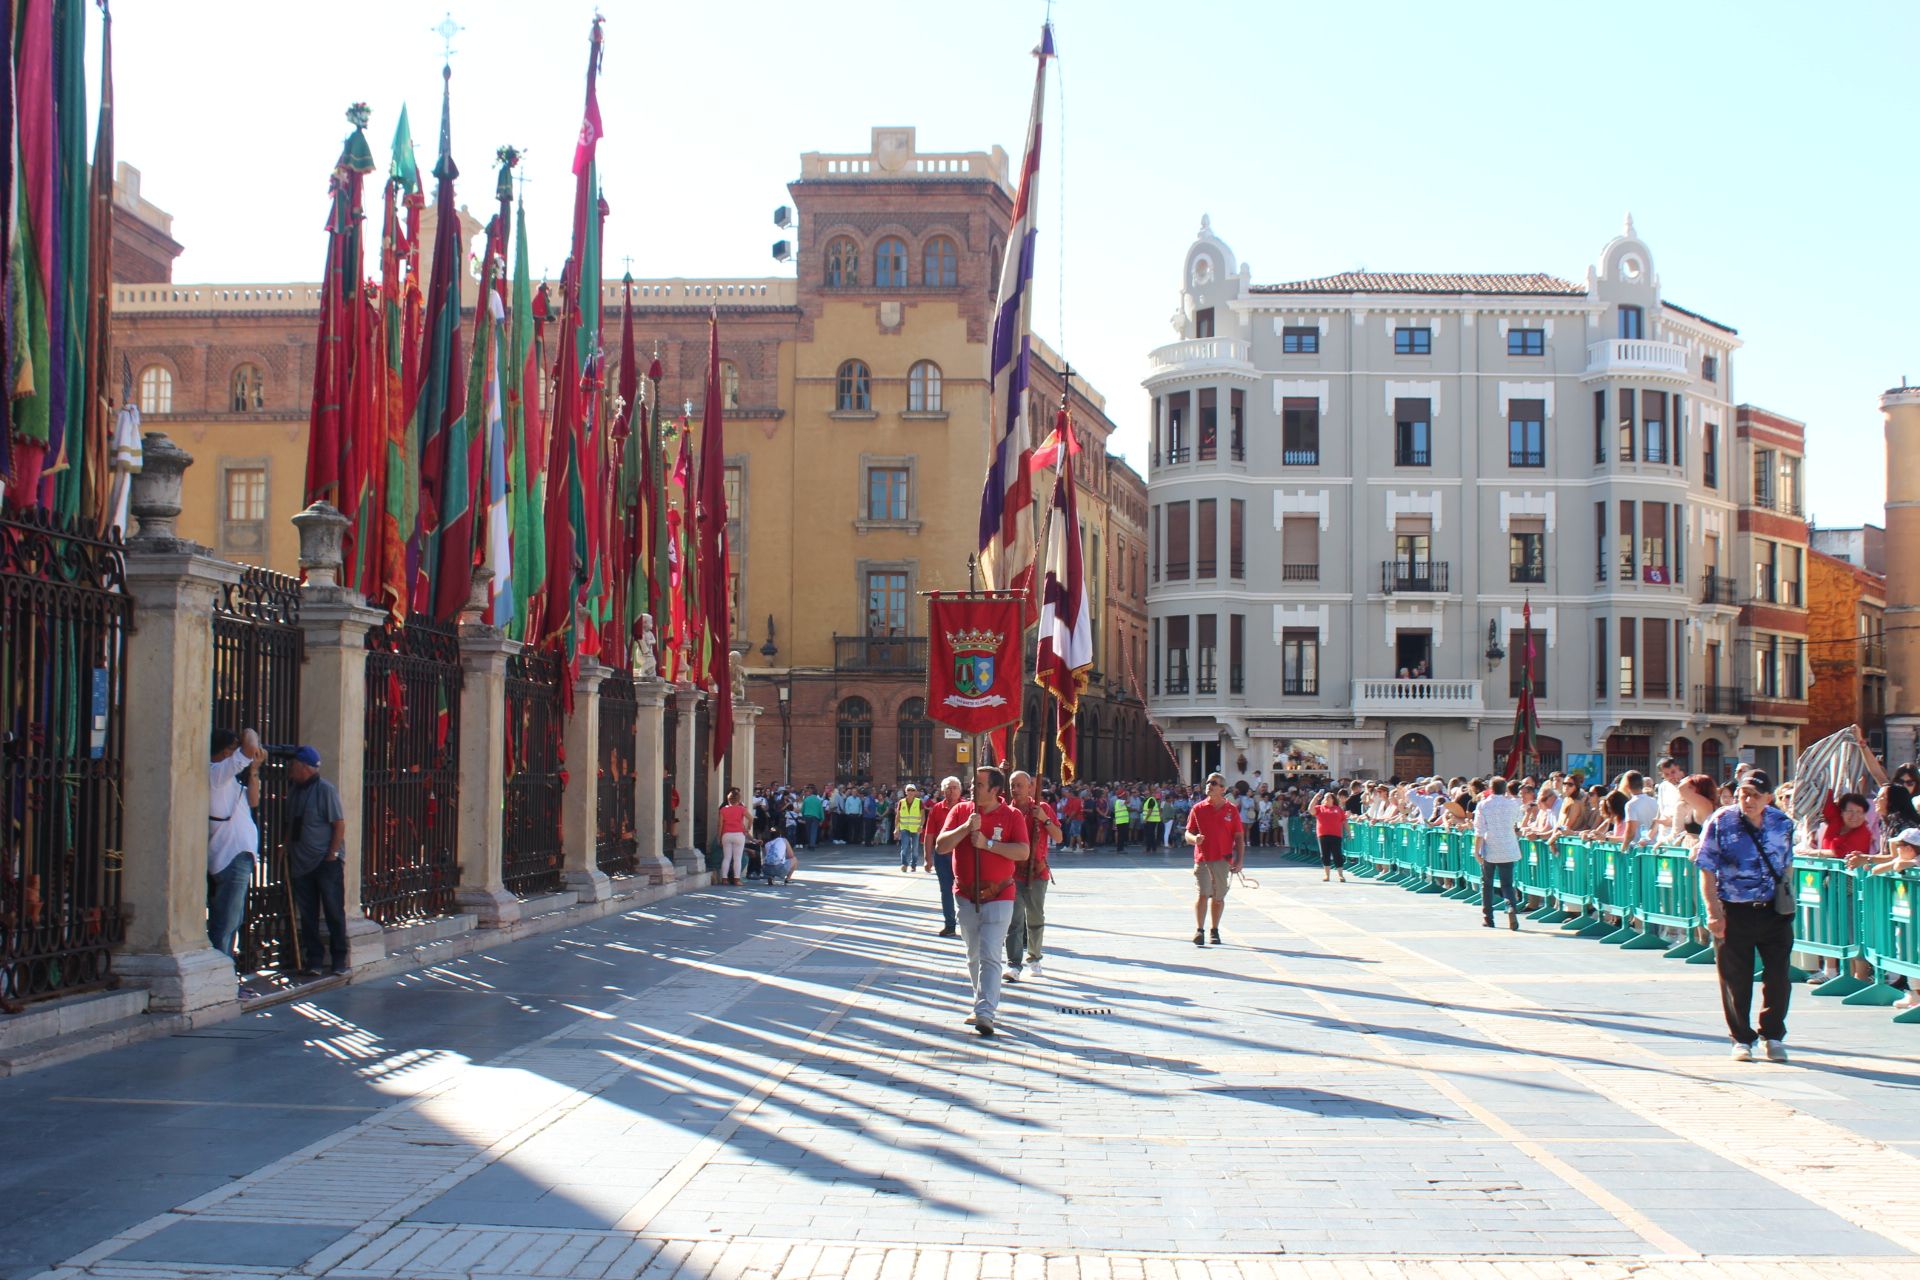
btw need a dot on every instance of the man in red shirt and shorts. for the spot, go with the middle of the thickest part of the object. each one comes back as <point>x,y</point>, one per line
<point>1219,843</point>
<point>1030,879</point>
<point>988,838</point>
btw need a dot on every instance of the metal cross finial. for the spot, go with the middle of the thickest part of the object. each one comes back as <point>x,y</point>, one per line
<point>447,30</point>
<point>687,408</point>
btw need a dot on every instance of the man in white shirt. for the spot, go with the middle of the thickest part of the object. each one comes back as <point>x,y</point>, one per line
<point>233,839</point>
<point>1424,799</point>
<point>1667,795</point>
<point>1496,843</point>
<point>1642,809</point>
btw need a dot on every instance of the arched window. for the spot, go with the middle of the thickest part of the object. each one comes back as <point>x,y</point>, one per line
<point>923,388</point>
<point>916,741</point>
<point>940,264</point>
<point>249,389</point>
<point>890,263</point>
<point>843,264</point>
<point>156,390</point>
<point>993,269</point>
<point>1412,757</point>
<point>1681,749</point>
<point>853,748</point>
<point>853,391</point>
<point>729,385</point>
<point>1546,757</point>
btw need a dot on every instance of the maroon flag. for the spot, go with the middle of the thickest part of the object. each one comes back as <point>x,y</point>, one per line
<point>973,662</point>
<point>716,573</point>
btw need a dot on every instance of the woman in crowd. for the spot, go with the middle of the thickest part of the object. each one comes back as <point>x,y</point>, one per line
<point>1699,797</point>
<point>733,837</point>
<point>1330,824</point>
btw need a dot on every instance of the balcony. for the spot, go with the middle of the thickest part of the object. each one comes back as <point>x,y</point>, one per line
<point>880,653</point>
<point>1873,654</point>
<point>1718,590</point>
<point>1300,573</point>
<point>1417,698</point>
<point>1639,358</point>
<point>1399,577</point>
<point>1719,700</point>
<point>1300,456</point>
<point>1199,356</point>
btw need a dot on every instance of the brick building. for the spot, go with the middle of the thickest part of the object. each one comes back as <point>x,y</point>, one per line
<point>1847,650</point>
<point>1770,559</point>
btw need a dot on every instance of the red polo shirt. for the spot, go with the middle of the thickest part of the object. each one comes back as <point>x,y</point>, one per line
<point>936,823</point>
<point>1004,825</point>
<point>1035,867</point>
<point>1219,824</point>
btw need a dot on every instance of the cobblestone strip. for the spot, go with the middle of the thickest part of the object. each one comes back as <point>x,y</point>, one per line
<point>1868,1183</point>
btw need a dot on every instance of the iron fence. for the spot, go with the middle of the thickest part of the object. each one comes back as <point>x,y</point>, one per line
<point>410,816</point>
<point>616,846</point>
<point>669,784</point>
<point>64,618</point>
<point>257,650</point>
<point>531,830</point>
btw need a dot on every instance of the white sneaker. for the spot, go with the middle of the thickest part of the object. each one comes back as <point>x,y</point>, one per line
<point>1742,1052</point>
<point>1776,1051</point>
<point>1033,968</point>
<point>1012,974</point>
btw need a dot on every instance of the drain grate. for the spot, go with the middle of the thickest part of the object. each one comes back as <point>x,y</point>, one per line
<point>1065,1009</point>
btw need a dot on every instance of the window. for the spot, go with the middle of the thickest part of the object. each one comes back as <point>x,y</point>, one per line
<point>1790,564</point>
<point>993,268</point>
<point>1526,433</point>
<point>1763,477</point>
<point>1632,323</point>
<point>1600,659</point>
<point>1236,424</point>
<point>246,495</point>
<point>916,740</point>
<point>1300,342</point>
<point>887,493</point>
<point>1177,426</point>
<point>1788,500</point>
<point>1300,431</point>
<point>1177,654</point>
<point>1412,342</point>
<point>1765,571</point>
<point>1412,434</point>
<point>1517,662</point>
<point>1626,685</point>
<point>1236,653</point>
<point>1653,426</point>
<point>1300,549</point>
<point>1627,548</point>
<point>1153,541</point>
<point>1237,538</point>
<point>1626,424</point>
<point>843,264</point>
<point>1654,680</point>
<point>1179,538</point>
<point>156,390</point>
<point>1207,669</point>
<point>1599,428</point>
<point>853,741</point>
<point>1653,543</point>
<point>939,264</point>
<point>1526,342</point>
<point>1766,667</point>
<point>1709,368</point>
<point>735,485</point>
<point>1203,323</point>
<point>886,603</point>
<point>853,391</point>
<point>1300,662</point>
<point>1206,539</point>
<point>1209,424</point>
<point>249,389</point>
<point>890,264</point>
<point>1600,541</point>
<point>729,385</point>
<point>923,388</point>
<point>1527,551</point>
<point>1710,455</point>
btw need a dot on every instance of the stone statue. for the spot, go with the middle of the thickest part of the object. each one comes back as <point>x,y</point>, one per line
<point>649,656</point>
<point>739,683</point>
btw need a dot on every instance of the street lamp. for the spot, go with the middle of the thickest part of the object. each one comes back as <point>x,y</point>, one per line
<point>769,650</point>
<point>1495,654</point>
<point>786,733</point>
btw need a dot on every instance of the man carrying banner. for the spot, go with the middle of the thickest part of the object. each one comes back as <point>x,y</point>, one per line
<point>1028,926</point>
<point>987,838</point>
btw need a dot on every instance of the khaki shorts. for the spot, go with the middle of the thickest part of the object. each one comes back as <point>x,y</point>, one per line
<point>1213,877</point>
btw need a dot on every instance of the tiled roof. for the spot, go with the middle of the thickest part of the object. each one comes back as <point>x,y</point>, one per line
<point>1533,282</point>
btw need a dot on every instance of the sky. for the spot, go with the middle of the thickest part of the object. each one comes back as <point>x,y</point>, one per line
<point>1766,154</point>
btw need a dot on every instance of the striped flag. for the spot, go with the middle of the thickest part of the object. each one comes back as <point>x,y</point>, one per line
<point>1066,616</point>
<point>1006,500</point>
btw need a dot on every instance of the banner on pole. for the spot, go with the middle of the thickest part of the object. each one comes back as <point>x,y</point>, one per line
<point>974,669</point>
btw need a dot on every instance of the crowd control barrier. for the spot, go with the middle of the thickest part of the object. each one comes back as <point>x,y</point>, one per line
<point>1648,899</point>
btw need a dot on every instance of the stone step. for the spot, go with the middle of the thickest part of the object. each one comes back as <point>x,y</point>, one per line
<point>53,1050</point>
<point>55,1018</point>
<point>418,933</point>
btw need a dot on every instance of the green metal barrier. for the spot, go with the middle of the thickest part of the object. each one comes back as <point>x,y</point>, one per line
<point>1667,896</point>
<point>1443,863</point>
<point>1535,879</point>
<point>1574,872</point>
<point>1890,935</point>
<point>1616,893</point>
<point>1827,922</point>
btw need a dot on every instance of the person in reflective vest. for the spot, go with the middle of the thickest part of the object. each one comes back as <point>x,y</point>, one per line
<point>908,818</point>
<point>1150,815</point>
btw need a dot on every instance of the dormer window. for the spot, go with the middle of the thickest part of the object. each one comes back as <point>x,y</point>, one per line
<point>1632,323</point>
<point>1203,323</point>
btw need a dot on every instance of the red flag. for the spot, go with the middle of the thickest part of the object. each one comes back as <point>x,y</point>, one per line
<point>973,662</point>
<point>715,571</point>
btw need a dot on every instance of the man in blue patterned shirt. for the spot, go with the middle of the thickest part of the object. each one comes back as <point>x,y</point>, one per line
<point>1745,851</point>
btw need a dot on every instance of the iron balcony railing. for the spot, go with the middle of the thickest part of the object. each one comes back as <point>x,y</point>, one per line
<point>1719,700</point>
<point>1300,573</point>
<point>1526,457</point>
<point>1294,457</point>
<point>1873,654</point>
<point>1398,576</point>
<point>880,653</point>
<point>1718,590</point>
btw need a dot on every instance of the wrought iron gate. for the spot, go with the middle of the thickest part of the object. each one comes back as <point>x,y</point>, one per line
<point>64,617</point>
<point>257,650</point>
<point>617,848</point>
<point>669,778</point>
<point>702,771</point>
<point>409,851</point>
<point>532,817</point>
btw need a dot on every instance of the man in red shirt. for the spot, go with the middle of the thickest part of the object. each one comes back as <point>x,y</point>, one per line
<point>988,839</point>
<point>1030,878</point>
<point>942,863</point>
<point>1071,808</point>
<point>1219,843</point>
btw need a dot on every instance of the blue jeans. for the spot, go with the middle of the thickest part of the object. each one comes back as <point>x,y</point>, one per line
<point>1503,872</point>
<point>943,868</point>
<point>227,903</point>
<point>813,831</point>
<point>909,850</point>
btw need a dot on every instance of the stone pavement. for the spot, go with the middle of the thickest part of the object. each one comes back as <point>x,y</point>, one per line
<point>777,1083</point>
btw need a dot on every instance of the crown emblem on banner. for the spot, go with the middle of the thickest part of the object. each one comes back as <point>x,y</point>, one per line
<point>975,640</point>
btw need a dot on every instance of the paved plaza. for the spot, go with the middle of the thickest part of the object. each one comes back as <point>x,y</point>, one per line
<point>777,1083</point>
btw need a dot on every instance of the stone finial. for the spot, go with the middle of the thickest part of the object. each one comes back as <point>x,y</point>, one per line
<point>1206,225</point>
<point>154,496</point>
<point>1628,230</point>
<point>323,532</point>
<point>479,597</point>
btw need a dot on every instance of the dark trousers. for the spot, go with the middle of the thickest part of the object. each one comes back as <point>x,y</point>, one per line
<point>1751,927</point>
<point>1502,872</point>
<point>1332,852</point>
<point>943,868</point>
<point>322,889</point>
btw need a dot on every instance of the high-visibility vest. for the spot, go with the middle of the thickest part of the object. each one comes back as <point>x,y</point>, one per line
<point>1152,811</point>
<point>910,816</point>
<point>1120,815</point>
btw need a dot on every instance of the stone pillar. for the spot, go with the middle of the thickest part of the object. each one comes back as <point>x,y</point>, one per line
<point>649,771</point>
<point>484,652</point>
<point>690,860</point>
<point>333,698</point>
<point>580,803</point>
<point>746,716</point>
<point>169,713</point>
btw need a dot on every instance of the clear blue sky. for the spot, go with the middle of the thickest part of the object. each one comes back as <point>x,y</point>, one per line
<point>1765,149</point>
